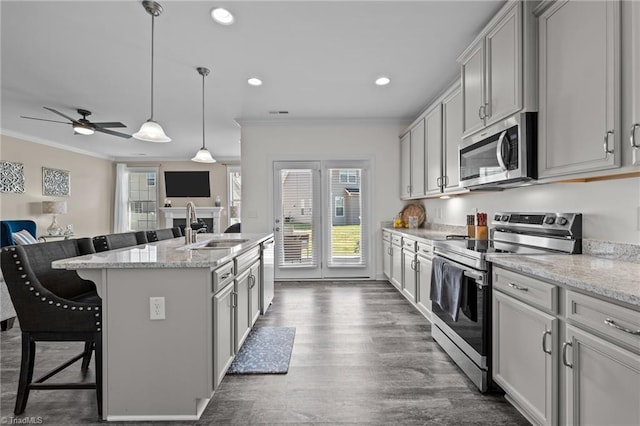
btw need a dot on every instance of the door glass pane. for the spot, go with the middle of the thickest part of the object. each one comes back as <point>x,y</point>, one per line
<point>235,194</point>
<point>345,217</point>
<point>296,246</point>
<point>143,205</point>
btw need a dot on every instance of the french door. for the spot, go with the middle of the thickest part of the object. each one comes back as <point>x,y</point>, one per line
<point>320,219</point>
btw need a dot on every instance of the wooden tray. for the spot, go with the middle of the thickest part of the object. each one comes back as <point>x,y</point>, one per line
<point>413,210</point>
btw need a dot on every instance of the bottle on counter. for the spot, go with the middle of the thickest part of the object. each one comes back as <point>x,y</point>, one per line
<point>471,226</point>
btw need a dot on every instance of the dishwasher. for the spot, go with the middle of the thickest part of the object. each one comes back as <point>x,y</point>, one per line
<point>266,289</point>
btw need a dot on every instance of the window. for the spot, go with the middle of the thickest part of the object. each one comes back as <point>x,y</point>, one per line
<point>339,206</point>
<point>348,176</point>
<point>143,199</point>
<point>234,179</point>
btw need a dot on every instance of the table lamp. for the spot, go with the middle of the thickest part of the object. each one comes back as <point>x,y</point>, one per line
<point>55,208</point>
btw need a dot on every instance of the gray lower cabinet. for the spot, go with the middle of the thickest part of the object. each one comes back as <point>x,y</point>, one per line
<point>396,261</point>
<point>409,269</point>
<point>223,331</point>
<point>386,254</point>
<point>524,346</point>
<point>242,313</point>
<point>423,265</point>
<point>254,289</point>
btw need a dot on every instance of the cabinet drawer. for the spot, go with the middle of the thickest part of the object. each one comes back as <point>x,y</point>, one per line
<point>396,240</point>
<point>408,244</point>
<point>246,259</point>
<point>618,324</point>
<point>425,249</point>
<point>530,290</point>
<point>386,236</point>
<point>221,276</point>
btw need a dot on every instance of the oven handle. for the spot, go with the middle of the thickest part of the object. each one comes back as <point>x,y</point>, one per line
<point>499,147</point>
<point>478,277</point>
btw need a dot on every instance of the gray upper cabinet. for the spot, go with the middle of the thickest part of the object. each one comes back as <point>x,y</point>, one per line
<point>451,138</point>
<point>579,117</point>
<point>498,70</point>
<point>405,166</point>
<point>417,133</point>
<point>433,160</point>
<point>634,92</point>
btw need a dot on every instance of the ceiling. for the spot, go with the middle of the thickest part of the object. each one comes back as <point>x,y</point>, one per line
<point>318,61</point>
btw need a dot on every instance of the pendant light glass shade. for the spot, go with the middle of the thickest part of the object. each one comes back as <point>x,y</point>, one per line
<point>83,129</point>
<point>203,155</point>
<point>151,131</point>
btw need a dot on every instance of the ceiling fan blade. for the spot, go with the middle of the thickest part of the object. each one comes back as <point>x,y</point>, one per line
<point>111,132</point>
<point>109,124</point>
<point>44,119</point>
<point>73,120</point>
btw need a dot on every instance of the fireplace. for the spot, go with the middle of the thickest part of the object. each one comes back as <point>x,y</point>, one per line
<point>176,216</point>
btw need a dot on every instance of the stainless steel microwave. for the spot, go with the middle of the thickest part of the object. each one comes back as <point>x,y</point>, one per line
<point>502,154</point>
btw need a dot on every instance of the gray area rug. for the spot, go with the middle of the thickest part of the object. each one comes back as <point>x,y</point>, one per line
<point>267,350</point>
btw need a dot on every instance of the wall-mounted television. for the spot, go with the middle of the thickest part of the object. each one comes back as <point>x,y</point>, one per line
<point>187,184</point>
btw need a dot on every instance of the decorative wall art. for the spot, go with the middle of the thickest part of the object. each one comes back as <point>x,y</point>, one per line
<point>55,182</point>
<point>11,177</point>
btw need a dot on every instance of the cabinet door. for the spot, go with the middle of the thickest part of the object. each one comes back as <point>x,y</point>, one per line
<point>386,259</point>
<point>452,136</point>
<point>579,87</point>
<point>223,332</point>
<point>603,383</point>
<point>433,162</point>
<point>405,166</point>
<point>409,275</point>
<point>472,77</point>
<point>525,356</point>
<point>254,289</point>
<point>242,311</point>
<point>417,159</point>
<point>504,66</point>
<point>423,296</point>
<point>635,85</point>
<point>396,266</point>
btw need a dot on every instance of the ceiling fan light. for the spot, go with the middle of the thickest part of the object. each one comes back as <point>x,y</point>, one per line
<point>150,131</point>
<point>83,129</point>
<point>203,156</point>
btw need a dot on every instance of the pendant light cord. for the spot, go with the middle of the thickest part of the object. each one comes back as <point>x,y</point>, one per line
<point>203,147</point>
<point>153,20</point>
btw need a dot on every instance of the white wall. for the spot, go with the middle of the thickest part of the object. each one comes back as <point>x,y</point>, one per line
<point>610,208</point>
<point>262,144</point>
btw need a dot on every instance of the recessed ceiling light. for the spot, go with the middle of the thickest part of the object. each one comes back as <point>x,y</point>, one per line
<point>254,81</point>
<point>222,16</point>
<point>383,81</point>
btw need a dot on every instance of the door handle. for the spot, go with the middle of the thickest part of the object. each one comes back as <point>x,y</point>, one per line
<point>277,229</point>
<point>544,342</point>
<point>500,150</point>
<point>481,114</point>
<point>565,345</point>
<point>632,138</point>
<point>607,151</point>
<point>487,110</point>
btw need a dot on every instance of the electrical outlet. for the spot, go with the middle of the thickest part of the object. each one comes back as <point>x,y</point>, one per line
<point>156,308</point>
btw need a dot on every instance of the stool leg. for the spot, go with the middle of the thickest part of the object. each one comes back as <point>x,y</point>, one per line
<point>26,373</point>
<point>98,361</point>
<point>86,359</point>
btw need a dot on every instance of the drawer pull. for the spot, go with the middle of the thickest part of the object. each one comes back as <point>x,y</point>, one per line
<point>517,287</point>
<point>225,276</point>
<point>612,323</point>
<point>544,342</point>
<point>565,345</point>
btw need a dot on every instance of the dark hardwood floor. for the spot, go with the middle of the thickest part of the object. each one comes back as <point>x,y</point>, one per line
<point>362,355</point>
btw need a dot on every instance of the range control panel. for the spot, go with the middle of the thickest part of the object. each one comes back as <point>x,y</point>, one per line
<point>562,224</point>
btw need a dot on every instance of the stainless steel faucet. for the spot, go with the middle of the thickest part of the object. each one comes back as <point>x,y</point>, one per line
<point>189,234</point>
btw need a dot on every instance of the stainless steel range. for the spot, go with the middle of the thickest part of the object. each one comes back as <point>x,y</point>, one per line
<point>468,338</point>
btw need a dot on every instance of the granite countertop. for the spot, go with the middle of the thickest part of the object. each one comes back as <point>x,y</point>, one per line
<point>613,279</point>
<point>165,254</point>
<point>424,233</point>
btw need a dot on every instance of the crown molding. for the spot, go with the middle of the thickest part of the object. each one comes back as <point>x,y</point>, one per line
<point>39,141</point>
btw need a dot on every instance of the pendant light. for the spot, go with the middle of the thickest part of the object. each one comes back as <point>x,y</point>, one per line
<point>203,155</point>
<point>150,131</point>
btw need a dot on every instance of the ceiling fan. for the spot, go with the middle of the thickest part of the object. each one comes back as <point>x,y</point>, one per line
<point>83,126</point>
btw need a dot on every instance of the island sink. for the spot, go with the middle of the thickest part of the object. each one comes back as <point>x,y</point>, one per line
<point>221,244</point>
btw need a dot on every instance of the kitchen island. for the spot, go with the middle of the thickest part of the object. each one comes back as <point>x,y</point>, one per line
<point>159,328</point>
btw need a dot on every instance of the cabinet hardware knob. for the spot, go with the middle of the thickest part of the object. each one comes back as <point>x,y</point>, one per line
<point>607,151</point>
<point>481,113</point>
<point>612,323</point>
<point>544,342</point>
<point>632,137</point>
<point>517,287</point>
<point>565,345</point>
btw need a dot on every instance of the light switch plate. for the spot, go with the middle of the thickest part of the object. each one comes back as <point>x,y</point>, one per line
<point>156,308</point>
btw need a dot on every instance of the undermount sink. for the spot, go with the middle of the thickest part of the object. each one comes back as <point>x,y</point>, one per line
<point>221,244</point>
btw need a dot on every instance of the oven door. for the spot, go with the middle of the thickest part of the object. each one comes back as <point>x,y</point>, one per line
<point>471,332</point>
<point>502,153</point>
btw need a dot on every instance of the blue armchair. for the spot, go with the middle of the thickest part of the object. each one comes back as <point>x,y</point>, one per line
<point>8,227</point>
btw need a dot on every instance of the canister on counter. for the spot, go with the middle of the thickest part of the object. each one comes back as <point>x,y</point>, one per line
<point>471,226</point>
<point>482,232</point>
